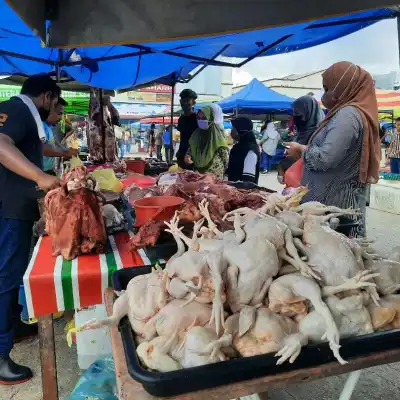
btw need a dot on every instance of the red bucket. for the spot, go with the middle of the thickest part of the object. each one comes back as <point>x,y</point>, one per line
<point>136,166</point>
<point>157,208</point>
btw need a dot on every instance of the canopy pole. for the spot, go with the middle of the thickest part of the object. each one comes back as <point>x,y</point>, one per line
<point>103,131</point>
<point>398,34</point>
<point>58,68</point>
<point>172,114</point>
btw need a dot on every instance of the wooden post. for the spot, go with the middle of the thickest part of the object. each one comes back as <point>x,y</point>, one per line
<point>48,357</point>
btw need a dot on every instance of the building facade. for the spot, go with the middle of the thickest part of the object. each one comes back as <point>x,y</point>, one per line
<point>212,84</point>
<point>295,85</point>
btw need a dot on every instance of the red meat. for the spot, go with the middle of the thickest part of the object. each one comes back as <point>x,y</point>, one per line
<point>147,235</point>
<point>74,219</point>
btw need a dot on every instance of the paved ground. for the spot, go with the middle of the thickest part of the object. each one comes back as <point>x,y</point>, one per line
<point>375,383</point>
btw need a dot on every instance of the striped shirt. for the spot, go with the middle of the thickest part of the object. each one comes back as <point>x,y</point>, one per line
<point>394,147</point>
<point>332,163</point>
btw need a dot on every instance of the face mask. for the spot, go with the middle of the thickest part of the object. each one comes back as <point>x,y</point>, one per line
<point>280,179</point>
<point>202,124</point>
<point>298,121</point>
<point>44,114</point>
<point>186,107</point>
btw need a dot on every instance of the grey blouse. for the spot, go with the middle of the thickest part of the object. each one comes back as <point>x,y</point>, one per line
<point>332,162</point>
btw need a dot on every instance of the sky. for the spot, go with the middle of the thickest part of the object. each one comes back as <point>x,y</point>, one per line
<point>374,48</point>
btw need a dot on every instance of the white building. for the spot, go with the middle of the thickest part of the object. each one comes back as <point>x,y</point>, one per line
<point>295,85</point>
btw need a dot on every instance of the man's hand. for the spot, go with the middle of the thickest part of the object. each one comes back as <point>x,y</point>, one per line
<point>47,182</point>
<point>294,150</point>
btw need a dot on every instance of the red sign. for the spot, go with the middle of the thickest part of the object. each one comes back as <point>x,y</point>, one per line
<point>157,89</point>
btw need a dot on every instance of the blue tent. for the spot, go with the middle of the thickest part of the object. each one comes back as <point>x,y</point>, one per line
<point>255,99</point>
<point>125,66</point>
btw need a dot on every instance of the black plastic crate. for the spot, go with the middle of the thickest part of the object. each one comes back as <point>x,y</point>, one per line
<point>241,369</point>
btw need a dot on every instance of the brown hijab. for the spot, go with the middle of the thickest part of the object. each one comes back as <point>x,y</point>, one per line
<point>353,86</point>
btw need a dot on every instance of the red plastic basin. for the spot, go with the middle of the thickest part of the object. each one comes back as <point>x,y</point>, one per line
<point>157,208</point>
<point>136,166</point>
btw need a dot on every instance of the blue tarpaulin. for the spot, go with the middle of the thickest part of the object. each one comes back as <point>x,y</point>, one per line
<point>255,99</point>
<point>119,66</point>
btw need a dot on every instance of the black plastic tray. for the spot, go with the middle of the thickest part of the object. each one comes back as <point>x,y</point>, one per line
<point>213,375</point>
<point>164,250</point>
<point>249,186</point>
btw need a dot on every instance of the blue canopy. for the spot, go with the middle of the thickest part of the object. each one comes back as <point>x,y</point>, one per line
<point>120,67</point>
<point>255,99</point>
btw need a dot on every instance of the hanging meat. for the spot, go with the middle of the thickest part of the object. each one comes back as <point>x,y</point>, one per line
<point>101,121</point>
<point>74,219</point>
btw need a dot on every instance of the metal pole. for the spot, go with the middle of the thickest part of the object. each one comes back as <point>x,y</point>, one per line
<point>172,113</point>
<point>103,131</point>
<point>58,68</point>
<point>398,34</point>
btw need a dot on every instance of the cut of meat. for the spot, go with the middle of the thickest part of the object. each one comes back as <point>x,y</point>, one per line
<point>74,219</point>
<point>147,235</point>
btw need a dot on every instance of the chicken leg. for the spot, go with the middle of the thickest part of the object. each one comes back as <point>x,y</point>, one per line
<point>217,266</point>
<point>358,282</point>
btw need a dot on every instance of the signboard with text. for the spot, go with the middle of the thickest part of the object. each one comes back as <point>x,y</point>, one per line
<point>157,89</point>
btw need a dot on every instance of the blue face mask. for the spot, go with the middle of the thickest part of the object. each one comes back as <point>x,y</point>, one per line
<point>202,124</point>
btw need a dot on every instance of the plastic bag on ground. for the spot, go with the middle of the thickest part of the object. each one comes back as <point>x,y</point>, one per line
<point>97,382</point>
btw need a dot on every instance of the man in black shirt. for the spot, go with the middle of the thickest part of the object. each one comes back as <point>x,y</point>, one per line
<point>21,154</point>
<point>187,124</point>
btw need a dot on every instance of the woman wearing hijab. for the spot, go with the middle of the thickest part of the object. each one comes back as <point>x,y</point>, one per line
<point>343,154</point>
<point>307,116</point>
<point>244,158</point>
<point>208,149</point>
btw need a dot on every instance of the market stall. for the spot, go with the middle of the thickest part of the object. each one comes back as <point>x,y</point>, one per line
<point>258,102</point>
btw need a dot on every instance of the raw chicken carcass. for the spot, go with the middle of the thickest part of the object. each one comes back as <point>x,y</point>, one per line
<point>389,269</point>
<point>74,218</point>
<point>289,291</point>
<point>387,314</point>
<point>202,346</point>
<point>144,297</point>
<point>278,234</point>
<point>155,354</point>
<point>266,332</point>
<point>327,253</point>
<point>177,316</point>
<point>351,317</point>
<point>252,266</point>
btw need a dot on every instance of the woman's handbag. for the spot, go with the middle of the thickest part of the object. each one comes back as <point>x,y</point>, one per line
<point>294,174</point>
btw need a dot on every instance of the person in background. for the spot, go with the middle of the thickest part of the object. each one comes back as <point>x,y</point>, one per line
<point>187,124</point>
<point>51,149</point>
<point>151,137</point>
<point>168,147</point>
<point>128,141</point>
<point>393,151</point>
<point>244,158</point>
<point>343,154</point>
<point>208,150</point>
<point>122,147</point>
<point>307,116</point>
<point>269,143</point>
<point>159,142</point>
<point>21,158</point>
<point>283,166</point>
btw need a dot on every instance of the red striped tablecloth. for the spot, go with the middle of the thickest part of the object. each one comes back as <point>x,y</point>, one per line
<point>53,284</point>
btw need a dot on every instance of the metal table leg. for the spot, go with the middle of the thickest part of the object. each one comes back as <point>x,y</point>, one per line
<point>48,357</point>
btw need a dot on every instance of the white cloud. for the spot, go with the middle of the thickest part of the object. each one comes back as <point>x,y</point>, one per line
<point>374,48</point>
